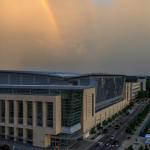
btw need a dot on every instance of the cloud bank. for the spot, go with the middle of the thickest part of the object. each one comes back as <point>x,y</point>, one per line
<point>75,35</point>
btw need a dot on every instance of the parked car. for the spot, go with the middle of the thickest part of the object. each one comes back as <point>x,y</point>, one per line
<point>112,137</point>
<point>117,126</point>
<point>4,147</point>
<point>105,131</point>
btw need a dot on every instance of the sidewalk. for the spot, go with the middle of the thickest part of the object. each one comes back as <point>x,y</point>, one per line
<point>136,141</point>
<point>82,145</point>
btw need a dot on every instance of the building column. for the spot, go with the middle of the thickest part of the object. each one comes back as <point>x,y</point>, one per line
<point>25,113</point>
<point>110,112</point>
<point>105,115</point>
<point>34,114</point>
<point>113,110</point>
<point>24,136</point>
<point>6,118</point>
<point>6,132</point>
<point>6,112</point>
<point>100,118</point>
<point>15,134</point>
<point>44,114</point>
<point>15,113</point>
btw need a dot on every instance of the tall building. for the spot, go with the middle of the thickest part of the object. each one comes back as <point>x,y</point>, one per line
<point>46,109</point>
<point>136,85</point>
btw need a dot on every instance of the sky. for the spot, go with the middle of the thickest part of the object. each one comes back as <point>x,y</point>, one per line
<point>110,36</point>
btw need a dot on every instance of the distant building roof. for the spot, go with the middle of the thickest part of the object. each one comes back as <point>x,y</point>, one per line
<point>43,73</point>
<point>67,87</point>
<point>131,78</point>
<point>96,75</point>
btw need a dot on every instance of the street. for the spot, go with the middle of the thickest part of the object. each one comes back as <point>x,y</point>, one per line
<point>115,136</point>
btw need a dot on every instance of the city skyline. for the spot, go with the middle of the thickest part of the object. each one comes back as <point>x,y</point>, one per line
<point>75,36</point>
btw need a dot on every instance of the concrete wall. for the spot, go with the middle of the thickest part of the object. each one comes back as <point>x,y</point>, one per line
<point>143,83</point>
<point>88,118</point>
<point>110,111</point>
<point>41,135</point>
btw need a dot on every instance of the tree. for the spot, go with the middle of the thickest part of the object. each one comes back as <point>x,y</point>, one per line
<point>99,126</point>
<point>105,123</point>
<point>93,130</point>
<point>129,130</point>
<point>141,148</point>
<point>148,85</point>
<point>146,148</point>
<point>129,148</point>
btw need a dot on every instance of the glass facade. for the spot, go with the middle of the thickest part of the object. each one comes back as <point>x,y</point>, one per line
<point>29,78</point>
<point>49,114</point>
<point>71,107</point>
<point>109,88</point>
<point>28,91</point>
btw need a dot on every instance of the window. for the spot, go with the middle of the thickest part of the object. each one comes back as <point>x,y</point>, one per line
<point>50,114</point>
<point>92,104</point>
<point>11,111</point>
<point>20,134</point>
<point>29,136</point>
<point>2,111</point>
<point>71,107</point>
<point>2,132</point>
<point>39,114</point>
<point>29,113</point>
<point>20,112</point>
<point>11,133</point>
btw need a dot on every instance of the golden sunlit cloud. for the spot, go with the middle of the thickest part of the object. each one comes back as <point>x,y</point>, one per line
<point>91,9</point>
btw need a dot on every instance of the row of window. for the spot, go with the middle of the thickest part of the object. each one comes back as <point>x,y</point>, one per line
<point>19,134</point>
<point>12,78</point>
<point>20,107</point>
<point>17,91</point>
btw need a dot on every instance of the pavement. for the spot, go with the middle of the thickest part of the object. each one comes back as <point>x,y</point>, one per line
<point>113,139</point>
<point>19,146</point>
<point>135,139</point>
<point>82,145</point>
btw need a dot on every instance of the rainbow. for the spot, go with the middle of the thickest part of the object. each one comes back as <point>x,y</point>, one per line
<point>47,7</point>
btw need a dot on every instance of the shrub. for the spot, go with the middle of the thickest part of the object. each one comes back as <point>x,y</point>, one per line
<point>93,130</point>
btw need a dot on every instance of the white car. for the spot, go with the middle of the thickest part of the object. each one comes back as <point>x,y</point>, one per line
<point>112,137</point>
<point>100,143</point>
<point>107,144</point>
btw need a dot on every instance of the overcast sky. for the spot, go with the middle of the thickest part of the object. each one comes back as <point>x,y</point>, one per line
<point>110,36</point>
